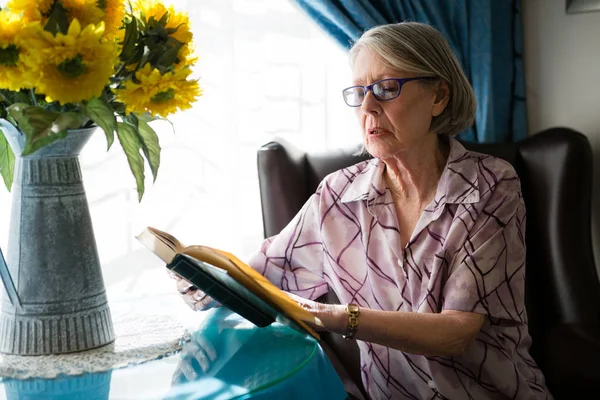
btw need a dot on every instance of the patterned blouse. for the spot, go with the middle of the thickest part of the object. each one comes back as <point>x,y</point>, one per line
<point>467,253</point>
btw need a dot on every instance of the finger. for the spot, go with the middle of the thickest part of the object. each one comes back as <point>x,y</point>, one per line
<point>302,302</point>
<point>202,359</point>
<point>198,295</point>
<point>204,303</point>
<point>292,296</point>
<point>184,286</point>
<point>187,298</point>
<point>187,370</point>
<point>197,300</point>
<point>207,347</point>
<point>173,275</point>
<point>189,349</point>
<point>178,377</point>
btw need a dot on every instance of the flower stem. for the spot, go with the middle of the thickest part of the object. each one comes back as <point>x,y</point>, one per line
<point>33,98</point>
<point>4,98</point>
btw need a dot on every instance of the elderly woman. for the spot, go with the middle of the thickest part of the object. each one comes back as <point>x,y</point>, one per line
<point>423,244</point>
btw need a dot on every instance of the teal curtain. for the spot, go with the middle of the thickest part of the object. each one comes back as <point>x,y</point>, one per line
<point>486,36</point>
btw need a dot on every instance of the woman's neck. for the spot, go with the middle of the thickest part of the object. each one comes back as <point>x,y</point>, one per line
<point>414,173</point>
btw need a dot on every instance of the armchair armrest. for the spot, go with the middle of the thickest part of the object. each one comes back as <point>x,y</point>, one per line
<point>354,393</point>
<point>344,355</point>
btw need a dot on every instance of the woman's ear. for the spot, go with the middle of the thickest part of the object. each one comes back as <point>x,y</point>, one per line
<point>442,97</point>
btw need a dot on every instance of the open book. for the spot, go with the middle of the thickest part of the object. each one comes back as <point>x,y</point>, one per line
<point>229,281</point>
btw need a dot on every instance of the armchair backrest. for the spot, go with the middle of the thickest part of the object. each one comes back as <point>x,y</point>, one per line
<point>555,168</point>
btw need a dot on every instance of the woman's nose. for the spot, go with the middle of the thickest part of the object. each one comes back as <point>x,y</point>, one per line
<point>370,104</point>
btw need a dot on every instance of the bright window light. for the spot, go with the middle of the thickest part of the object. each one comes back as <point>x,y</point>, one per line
<point>267,71</point>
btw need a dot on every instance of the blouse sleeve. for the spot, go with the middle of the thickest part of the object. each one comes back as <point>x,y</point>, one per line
<point>293,259</point>
<point>487,273</point>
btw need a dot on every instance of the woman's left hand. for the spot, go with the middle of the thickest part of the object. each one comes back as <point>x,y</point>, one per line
<point>332,316</point>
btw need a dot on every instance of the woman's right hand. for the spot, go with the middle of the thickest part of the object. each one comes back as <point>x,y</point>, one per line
<point>198,352</point>
<point>196,299</point>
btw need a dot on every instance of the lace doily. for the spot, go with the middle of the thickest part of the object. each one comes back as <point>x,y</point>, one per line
<point>139,338</point>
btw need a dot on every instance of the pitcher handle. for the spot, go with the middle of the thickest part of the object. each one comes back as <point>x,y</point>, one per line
<point>8,283</point>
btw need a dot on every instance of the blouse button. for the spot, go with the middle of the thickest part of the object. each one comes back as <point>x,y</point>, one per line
<point>431,384</point>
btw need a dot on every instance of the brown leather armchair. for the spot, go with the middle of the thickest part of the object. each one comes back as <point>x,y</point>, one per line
<point>562,289</point>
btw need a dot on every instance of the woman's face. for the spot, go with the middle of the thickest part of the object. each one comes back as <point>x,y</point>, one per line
<point>393,126</point>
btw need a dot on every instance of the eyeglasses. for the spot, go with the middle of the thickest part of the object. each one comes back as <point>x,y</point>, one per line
<point>383,90</point>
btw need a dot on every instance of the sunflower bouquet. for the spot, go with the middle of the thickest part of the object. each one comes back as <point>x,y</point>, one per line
<point>115,64</point>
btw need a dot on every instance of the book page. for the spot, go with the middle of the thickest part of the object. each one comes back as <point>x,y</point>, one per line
<point>167,238</point>
<point>160,245</point>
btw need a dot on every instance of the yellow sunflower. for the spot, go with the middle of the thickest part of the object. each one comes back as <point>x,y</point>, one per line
<point>179,20</point>
<point>11,58</point>
<point>85,11</point>
<point>159,94</point>
<point>113,18</point>
<point>186,56</point>
<point>71,67</point>
<point>30,10</point>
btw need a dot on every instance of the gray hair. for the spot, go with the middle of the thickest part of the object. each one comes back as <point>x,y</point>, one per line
<point>421,49</point>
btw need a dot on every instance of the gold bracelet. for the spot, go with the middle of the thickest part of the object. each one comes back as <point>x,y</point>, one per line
<point>353,312</point>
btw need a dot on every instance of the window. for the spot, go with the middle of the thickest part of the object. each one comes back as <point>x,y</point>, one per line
<point>267,70</point>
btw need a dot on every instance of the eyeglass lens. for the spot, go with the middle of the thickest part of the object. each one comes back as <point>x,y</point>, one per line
<point>383,90</point>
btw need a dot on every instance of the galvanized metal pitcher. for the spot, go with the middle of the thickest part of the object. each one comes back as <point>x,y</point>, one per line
<point>55,300</point>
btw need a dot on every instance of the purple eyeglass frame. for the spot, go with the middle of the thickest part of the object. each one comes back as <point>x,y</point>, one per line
<point>401,82</point>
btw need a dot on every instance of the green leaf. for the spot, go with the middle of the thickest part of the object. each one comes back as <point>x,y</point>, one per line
<point>32,146</point>
<point>7,162</point>
<point>130,141</point>
<point>171,31</point>
<point>47,126</point>
<point>147,117</point>
<point>68,120</point>
<point>150,146</point>
<point>148,140</point>
<point>15,111</point>
<point>132,119</point>
<point>21,97</point>
<point>10,119</point>
<point>39,118</point>
<point>42,127</point>
<point>57,21</point>
<point>167,59</point>
<point>130,40</point>
<point>8,97</point>
<point>100,111</point>
<point>164,20</point>
<point>119,107</point>
<point>142,21</point>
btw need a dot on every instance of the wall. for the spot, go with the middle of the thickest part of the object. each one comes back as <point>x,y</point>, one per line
<point>562,72</point>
